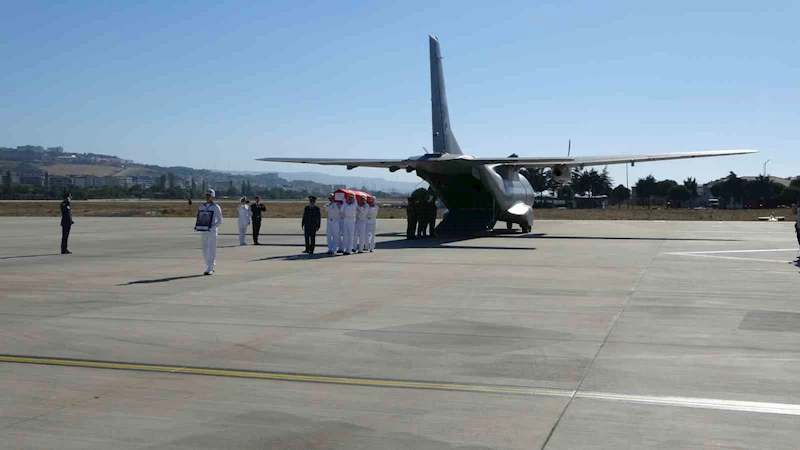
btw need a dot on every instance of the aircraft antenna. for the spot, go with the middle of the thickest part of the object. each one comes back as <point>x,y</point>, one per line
<point>426,150</point>
<point>569,147</point>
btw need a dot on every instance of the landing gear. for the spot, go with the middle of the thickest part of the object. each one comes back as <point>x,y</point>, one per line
<point>509,226</point>
<point>526,229</point>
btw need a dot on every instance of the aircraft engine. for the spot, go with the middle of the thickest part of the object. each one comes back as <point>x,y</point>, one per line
<point>560,174</point>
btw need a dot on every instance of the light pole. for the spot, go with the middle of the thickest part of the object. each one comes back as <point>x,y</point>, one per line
<point>765,167</point>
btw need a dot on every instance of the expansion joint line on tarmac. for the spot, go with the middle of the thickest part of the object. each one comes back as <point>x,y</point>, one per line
<point>686,402</point>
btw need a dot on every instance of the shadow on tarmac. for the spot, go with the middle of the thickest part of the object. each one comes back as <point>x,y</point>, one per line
<point>161,280</point>
<point>29,256</point>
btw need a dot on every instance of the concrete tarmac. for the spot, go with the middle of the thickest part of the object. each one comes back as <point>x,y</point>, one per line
<point>580,335</point>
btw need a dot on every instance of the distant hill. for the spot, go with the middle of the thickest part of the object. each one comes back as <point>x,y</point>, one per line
<point>355,181</point>
<point>97,165</point>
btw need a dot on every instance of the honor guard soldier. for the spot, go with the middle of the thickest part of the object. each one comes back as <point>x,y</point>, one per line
<point>361,225</point>
<point>333,214</point>
<point>411,216</point>
<point>244,219</point>
<point>796,212</point>
<point>372,219</point>
<point>349,211</point>
<point>255,210</point>
<point>312,221</point>
<point>432,210</point>
<point>209,218</point>
<point>66,223</point>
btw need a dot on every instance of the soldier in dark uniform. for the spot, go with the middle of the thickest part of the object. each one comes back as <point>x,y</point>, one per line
<point>411,215</point>
<point>66,223</point>
<point>422,218</point>
<point>432,210</point>
<point>312,221</point>
<point>256,209</point>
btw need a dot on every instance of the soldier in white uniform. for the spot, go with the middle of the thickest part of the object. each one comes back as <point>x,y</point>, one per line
<point>244,219</point>
<point>361,229</point>
<point>372,220</point>
<point>796,222</point>
<point>208,239</point>
<point>333,219</point>
<point>349,211</point>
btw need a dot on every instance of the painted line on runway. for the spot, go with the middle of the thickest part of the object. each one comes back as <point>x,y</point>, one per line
<point>685,402</point>
<point>695,402</point>
<point>281,376</point>
<point>709,252</point>
<point>714,254</point>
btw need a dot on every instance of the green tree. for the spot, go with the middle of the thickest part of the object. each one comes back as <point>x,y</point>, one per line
<point>243,189</point>
<point>678,194</point>
<point>565,192</point>
<point>619,195</point>
<point>664,186</point>
<point>691,185</point>
<point>646,188</point>
<point>193,189</point>
<point>231,189</point>
<point>8,180</point>
<point>170,180</point>
<point>789,195</point>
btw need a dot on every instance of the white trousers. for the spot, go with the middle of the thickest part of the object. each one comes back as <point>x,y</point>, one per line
<point>361,236</point>
<point>348,234</point>
<point>341,235</point>
<point>242,234</point>
<point>208,242</point>
<point>334,235</point>
<point>370,235</point>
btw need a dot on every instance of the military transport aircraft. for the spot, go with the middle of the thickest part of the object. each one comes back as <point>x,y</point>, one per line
<point>478,192</point>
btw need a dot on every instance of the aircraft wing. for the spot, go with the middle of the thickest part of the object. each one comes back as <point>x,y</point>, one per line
<point>386,163</point>
<point>413,163</point>
<point>606,160</point>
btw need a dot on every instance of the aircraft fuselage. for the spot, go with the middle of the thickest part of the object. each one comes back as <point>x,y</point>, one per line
<point>479,195</point>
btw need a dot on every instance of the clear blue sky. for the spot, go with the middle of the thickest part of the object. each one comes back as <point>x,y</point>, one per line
<point>217,84</point>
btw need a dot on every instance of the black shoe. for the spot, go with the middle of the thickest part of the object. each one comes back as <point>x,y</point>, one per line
<point>66,252</point>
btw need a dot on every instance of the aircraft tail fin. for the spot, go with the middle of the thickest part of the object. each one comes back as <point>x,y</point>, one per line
<point>443,139</point>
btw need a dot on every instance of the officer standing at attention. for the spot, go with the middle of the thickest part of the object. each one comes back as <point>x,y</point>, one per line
<point>361,225</point>
<point>256,211</point>
<point>312,221</point>
<point>333,215</point>
<point>411,215</point>
<point>432,210</point>
<point>244,219</point>
<point>372,219</point>
<point>349,211</point>
<point>66,223</point>
<point>796,212</point>
<point>208,239</point>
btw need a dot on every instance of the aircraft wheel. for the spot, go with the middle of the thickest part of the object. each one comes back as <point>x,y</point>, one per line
<point>526,229</point>
<point>509,226</point>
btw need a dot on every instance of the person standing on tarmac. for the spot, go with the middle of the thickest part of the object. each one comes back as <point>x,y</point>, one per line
<point>255,210</point>
<point>432,210</point>
<point>371,223</point>
<point>423,217</point>
<point>361,225</point>
<point>66,223</point>
<point>244,219</point>
<point>796,212</point>
<point>312,221</point>
<point>208,239</point>
<point>333,214</point>
<point>349,211</point>
<point>411,216</point>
